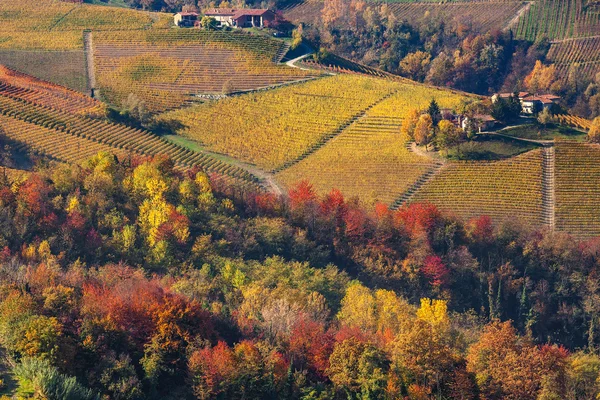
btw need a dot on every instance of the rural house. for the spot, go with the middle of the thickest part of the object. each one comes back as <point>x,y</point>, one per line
<point>532,103</point>
<point>186,19</point>
<point>241,18</point>
<point>481,122</point>
<point>529,102</point>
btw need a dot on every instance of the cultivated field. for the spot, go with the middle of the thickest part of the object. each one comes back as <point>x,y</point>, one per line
<point>503,190</point>
<point>66,68</point>
<point>164,68</point>
<point>55,25</point>
<point>54,122</point>
<point>276,127</point>
<point>480,15</point>
<point>578,188</point>
<point>582,53</point>
<point>369,159</point>
<point>558,19</point>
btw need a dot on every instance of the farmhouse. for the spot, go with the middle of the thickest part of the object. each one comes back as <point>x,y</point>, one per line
<point>532,104</point>
<point>241,18</point>
<point>186,19</point>
<point>529,102</point>
<point>481,122</point>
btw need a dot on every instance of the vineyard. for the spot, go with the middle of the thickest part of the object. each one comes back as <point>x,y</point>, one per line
<point>502,190</point>
<point>16,85</point>
<point>577,188</point>
<point>583,54</point>
<point>574,121</point>
<point>558,19</point>
<point>55,25</point>
<point>276,127</point>
<point>164,68</point>
<point>54,123</point>
<point>481,15</point>
<point>66,68</point>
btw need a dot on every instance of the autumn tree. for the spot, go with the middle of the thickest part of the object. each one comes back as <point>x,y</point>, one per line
<point>424,131</point>
<point>594,132</point>
<point>506,365</point>
<point>409,123</point>
<point>541,78</point>
<point>358,367</point>
<point>415,65</point>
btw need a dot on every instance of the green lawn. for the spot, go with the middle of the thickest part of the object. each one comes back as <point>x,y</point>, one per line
<point>551,132</point>
<point>488,147</point>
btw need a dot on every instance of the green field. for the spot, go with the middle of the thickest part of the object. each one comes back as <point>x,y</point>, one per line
<point>552,132</point>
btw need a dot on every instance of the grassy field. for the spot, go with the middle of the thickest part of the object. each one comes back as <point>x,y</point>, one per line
<point>550,133</point>
<point>65,68</point>
<point>489,147</point>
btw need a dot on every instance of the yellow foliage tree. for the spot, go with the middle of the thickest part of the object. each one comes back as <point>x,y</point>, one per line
<point>410,123</point>
<point>434,312</point>
<point>594,132</point>
<point>423,130</point>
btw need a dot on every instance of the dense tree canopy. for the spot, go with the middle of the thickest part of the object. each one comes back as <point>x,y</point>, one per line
<point>136,280</point>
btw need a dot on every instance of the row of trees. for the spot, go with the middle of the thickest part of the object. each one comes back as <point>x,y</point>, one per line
<point>135,280</point>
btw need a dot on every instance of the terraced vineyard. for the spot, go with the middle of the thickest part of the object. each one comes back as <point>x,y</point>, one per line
<point>582,53</point>
<point>165,67</point>
<point>482,15</point>
<point>68,137</point>
<point>16,85</point>
<point>369,159</point>
<point>503,190</point>
<point>558,19</point>
<point>276,127</point>
<point>55,25</point>
<point>578,188</point>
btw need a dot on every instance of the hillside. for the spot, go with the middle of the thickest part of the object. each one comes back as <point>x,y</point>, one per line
<point>276,127</point>
<point>66,126</point>
<point>165,68</point>
<point>369,159</point>
<point>481,15</point>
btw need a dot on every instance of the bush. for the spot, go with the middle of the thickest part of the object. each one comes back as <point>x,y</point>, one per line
<point>44,381</point>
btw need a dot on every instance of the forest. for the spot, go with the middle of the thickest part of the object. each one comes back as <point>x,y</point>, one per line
<point>130,279</point>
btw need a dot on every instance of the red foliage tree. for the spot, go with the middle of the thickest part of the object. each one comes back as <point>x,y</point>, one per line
<point>418,216</point>
<point>311,345</point>
<point>435,271</point>
<point>301,195</point>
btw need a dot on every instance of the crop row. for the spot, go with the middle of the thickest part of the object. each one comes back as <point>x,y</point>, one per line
<point>119,137</point>
<point>275,127</point>
<point>167,70</point>
<point>558,19</point>
<point>503,190</point>
<point>574,121</point>
<point>55,25</point>
<point>369,159</point>
<point>583,54</point>
<point>578,188</point>
<point>20,86</point>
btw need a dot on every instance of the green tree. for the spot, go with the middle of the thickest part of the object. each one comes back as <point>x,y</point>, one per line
<point>358,369</point>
